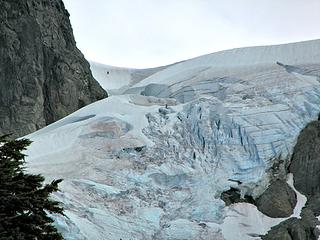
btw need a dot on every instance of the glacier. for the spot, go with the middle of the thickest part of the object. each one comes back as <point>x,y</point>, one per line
<point>151,161</point>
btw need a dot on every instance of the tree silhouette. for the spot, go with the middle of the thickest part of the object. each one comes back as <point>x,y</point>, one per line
<point>24,201</point>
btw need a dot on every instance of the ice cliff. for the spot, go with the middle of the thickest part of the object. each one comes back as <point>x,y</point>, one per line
<point>152,162</point>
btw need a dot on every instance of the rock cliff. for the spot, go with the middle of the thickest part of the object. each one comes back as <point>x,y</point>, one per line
<point>305,168</point>
<point>43,76</point>
<point>305,163</point>
<point>279,200</point>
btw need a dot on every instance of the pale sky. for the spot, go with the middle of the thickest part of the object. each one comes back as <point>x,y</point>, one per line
<point>149,33</point>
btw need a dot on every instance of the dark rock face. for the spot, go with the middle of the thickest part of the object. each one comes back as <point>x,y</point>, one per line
<point>43,76</point>
<point>295,229</point>
<point>305,163</point>
<point>233,196</point>
<point>314,204</point>
<point>305,166</point>
<point>278,201</point>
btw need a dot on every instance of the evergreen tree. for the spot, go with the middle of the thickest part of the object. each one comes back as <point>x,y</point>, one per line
<point>24,201</point>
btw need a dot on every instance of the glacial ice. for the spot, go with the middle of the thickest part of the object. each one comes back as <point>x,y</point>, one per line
<point>152,163</point>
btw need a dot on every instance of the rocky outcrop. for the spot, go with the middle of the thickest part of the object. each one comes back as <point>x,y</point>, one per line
<point>314,204</point>
<point>234,196</point>
<point>278,200</point>
<point>305,164</point>
<point>43,76</point>
<point>295,229</point>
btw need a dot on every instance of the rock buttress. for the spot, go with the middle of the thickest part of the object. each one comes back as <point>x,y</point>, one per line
<point>43,76</point>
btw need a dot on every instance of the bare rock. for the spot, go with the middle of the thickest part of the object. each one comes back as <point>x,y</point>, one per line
<point>305,164</point>
<point>295,229</point>
<point>278,200</point>
<point>43,76</point>
<point>233,195</point>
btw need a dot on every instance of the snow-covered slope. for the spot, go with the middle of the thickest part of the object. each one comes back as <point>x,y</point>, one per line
<point>237,60</point>
<point>152,163</point>
<point>115,80</point>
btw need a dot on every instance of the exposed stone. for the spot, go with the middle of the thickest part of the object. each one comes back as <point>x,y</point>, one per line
<point>314,204</point>
<point>295,229</point>
<point>43,76</point>
<point>305,164</point>
<point>234,196</point>
<point>279,169</point>
<point>278,234</point>
<point>278,200</point>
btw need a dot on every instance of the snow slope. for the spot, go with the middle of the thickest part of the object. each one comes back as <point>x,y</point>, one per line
<point>237,60</point>
<point>152,163</point>
<point>116,79</point>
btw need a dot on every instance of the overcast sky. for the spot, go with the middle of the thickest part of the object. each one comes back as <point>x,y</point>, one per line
<point>147,33</point>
